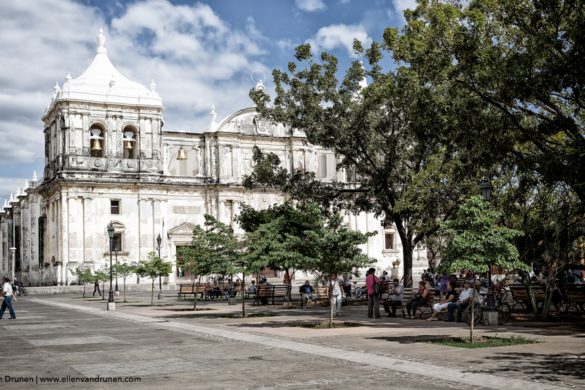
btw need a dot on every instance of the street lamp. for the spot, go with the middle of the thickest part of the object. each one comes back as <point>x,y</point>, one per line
<point>486,190</point>
<point>116,249</point>
<point>158,242</point>
<point>111,304</point>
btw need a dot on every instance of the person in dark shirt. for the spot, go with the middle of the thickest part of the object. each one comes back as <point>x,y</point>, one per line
<point>307,292</point>
<point>451,297</point>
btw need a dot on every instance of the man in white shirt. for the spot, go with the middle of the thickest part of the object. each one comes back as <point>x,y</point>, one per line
<point>8,295</point>
<point>462,302</point>
<point>336,298</point>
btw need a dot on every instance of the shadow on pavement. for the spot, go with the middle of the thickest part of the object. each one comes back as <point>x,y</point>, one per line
<point>543,367</point>
<point>410,339</point>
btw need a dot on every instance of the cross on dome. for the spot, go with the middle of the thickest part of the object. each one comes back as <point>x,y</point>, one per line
<point>101,40</point>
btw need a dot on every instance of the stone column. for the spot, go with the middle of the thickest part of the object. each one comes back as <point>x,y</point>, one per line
<point>13,262</point>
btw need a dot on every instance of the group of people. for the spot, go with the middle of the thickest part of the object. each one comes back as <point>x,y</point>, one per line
<point>8,298</point>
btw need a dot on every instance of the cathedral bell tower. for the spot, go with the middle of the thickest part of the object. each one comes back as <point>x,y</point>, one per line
<point>103,124</point>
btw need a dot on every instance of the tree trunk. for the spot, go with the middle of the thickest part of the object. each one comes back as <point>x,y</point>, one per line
<point>472,314</point>
<point>243,295</point>
<point>407,256</point>
<point>124,283</point>
<point>407,248</point>
<point>152,293</point>
<point>84,290</point>
<point>330,294</point>
<point>195,295</point>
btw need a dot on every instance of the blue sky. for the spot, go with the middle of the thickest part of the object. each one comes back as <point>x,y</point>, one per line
<point>200,53</point>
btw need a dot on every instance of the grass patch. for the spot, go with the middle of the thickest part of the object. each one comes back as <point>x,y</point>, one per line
<point>481,342</point>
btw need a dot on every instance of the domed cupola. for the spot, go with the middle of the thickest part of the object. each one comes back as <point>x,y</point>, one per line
<point>102,82</point>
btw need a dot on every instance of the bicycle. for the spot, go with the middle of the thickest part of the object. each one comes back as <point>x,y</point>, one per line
<point>504,311</point>
<point>20,291</point>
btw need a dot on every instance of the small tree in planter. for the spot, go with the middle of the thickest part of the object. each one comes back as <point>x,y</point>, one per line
<point>124,270</point>
<point>193,256</point>
<point>153,268</point>
<point>84,276</point>
<point>335,250</point>
<point>475,242</point>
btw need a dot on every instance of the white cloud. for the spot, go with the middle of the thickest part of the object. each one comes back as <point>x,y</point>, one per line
<point>402,5</point>
<point>339,35</point>
<point>310,5</point>
<point>195,57</point>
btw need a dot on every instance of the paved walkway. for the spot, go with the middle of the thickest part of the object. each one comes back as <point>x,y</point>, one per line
<point>382,353</point>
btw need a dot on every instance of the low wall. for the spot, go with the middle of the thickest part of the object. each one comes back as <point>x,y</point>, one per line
<point>48,290</point>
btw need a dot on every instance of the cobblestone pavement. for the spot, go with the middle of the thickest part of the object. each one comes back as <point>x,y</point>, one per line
<point>168,346</point>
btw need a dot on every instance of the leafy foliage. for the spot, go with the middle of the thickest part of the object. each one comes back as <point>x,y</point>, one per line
<point>383,134</point>
<point>153,268</point>
<point>512,73</point>
<point>476,241</point>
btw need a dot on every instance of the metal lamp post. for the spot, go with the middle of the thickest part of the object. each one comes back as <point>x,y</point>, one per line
<point>116,249</point>
<point>158,242</point>
<point>486,190</point>
<point>111,303</point>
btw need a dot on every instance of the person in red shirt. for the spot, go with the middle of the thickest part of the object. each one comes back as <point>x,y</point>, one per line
<point>373,297</point>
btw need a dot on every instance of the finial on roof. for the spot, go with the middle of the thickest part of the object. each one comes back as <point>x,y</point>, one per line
<point>68,77</point>
<point>101,40</point>
<point>152,86</point>
<point>25,185</point>
<point>34,177</point>
<point>5,204</point>
<point>11,197</point>
<point>56,89</point>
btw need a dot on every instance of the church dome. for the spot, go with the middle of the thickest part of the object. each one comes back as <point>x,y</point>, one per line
<point>103,83</point>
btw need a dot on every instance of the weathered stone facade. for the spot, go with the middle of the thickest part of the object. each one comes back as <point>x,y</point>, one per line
<point>108,159</point>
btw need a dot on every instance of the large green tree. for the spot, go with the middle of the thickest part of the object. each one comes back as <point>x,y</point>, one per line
<point>512,74</point>
<point>383,135</point>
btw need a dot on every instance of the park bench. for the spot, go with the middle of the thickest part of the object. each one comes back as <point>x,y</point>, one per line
<point>190,289</point>
<point>520,296</point>
<point>576,297</point>
<point>424,310</point>
<point>272,291</point>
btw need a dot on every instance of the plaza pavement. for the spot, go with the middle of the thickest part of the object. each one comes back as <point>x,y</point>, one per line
<point>168,346</point>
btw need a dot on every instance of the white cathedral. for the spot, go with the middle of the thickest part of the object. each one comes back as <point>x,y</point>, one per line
<point>108,159</point>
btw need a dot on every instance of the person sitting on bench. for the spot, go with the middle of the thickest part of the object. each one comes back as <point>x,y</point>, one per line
<point>451,297</point>
<point>307,292</point>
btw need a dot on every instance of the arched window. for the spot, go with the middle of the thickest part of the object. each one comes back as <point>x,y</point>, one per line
<point>118,238</point>
<point>97,141</point>
<point>130,142</point>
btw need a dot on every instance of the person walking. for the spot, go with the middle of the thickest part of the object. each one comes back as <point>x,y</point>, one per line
<point>8,295</point>
<point>373,295</point>
<point>96,287</point>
